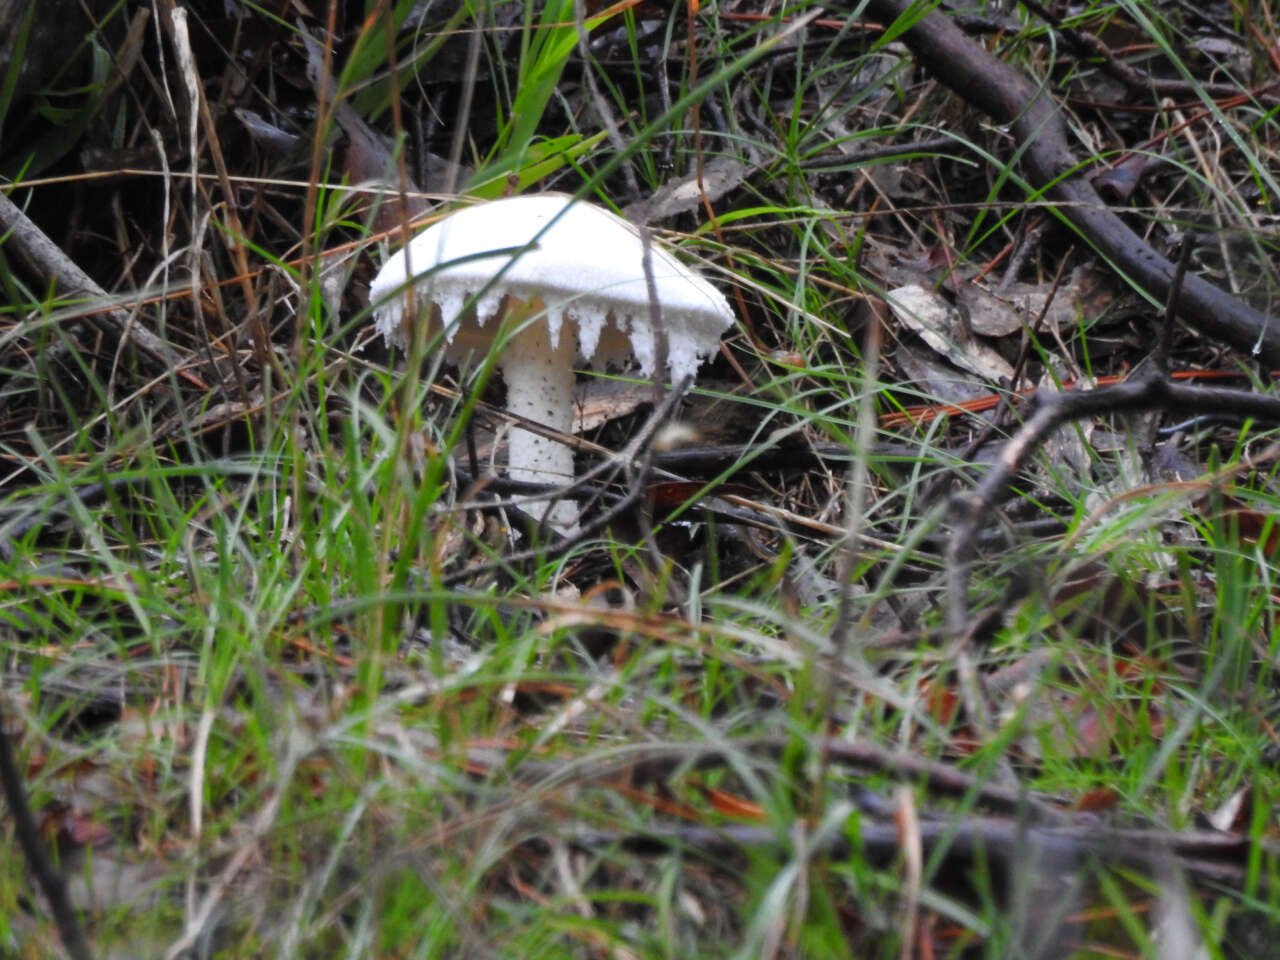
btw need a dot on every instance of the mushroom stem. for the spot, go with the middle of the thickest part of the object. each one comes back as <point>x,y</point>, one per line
<point>540,382</point>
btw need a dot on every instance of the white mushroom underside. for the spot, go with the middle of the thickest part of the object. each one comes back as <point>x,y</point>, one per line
<point>586,267</point>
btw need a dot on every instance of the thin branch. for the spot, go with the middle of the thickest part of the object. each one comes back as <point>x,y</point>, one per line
<point>48,879</point>
<point>46,260</point>
<point>1048,412</point>
<point>1035,119</point>
<point>1165,347</point>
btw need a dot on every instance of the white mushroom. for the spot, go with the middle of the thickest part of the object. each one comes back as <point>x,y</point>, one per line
<point>579,292</point>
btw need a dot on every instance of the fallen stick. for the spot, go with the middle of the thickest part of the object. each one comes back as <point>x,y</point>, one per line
<point>45,259</point>
<point>1035,118</point>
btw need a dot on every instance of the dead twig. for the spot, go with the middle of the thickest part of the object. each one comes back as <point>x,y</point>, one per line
<point>47,261</point>
<point>51,883</point>
<point>1036,121</point>
<point>1208,857</point>
<point>1047,412</point>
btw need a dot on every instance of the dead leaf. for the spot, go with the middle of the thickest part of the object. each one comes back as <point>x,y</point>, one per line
<point>1006,312</point>
<point>597,401</point>
<point>719,176</point>
<point>1098,800</point>
<point>1084,294</point>
<point>1234,812</point>
<point>934,379</point>
<point>941,325</point>
<point>988,314</point>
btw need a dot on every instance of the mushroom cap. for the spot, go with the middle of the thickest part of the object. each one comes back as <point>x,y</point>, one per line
<point>585,271</point>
